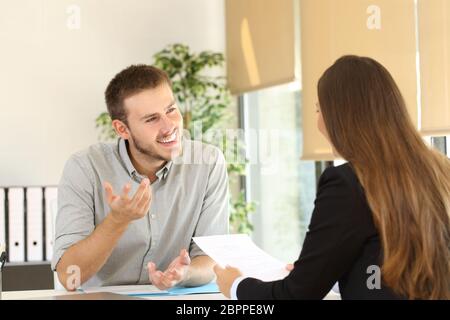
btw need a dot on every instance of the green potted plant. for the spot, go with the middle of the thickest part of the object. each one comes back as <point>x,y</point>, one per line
<point>204,99</point>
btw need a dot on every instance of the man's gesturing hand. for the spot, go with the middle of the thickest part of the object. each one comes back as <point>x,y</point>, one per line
<point>176,272</point>
<point>125,209</point>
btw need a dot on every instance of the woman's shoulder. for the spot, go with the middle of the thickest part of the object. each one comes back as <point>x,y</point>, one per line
<point>341,203</point>
<point>344,174</point>
<point>342,181</point>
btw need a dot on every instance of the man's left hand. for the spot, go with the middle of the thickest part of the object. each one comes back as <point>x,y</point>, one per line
<point>175,273</point>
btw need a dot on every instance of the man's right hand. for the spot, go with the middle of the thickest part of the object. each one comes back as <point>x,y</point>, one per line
<point>125,209</point>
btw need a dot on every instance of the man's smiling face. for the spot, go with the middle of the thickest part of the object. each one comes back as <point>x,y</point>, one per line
<point>155,123</point>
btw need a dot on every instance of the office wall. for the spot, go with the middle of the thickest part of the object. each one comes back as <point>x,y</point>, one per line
<point>56,58</point>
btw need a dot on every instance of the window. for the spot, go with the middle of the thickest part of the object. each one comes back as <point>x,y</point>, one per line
<point>440,143</point>
<point>282,185</point>
<point>448,145</point>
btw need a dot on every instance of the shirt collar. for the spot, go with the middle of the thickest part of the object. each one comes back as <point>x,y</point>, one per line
<point>164,171</point>
<point>124,156</point>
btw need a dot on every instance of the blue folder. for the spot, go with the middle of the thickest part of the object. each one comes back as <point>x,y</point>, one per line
<point>177,291</point>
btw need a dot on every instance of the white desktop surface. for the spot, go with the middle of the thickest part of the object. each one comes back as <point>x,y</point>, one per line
<point>36,294</point>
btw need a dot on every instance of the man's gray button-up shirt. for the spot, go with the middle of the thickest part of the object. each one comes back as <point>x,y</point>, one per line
<point>189,198</point>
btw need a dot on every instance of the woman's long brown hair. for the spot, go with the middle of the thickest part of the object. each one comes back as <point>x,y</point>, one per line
<point>407,184</point>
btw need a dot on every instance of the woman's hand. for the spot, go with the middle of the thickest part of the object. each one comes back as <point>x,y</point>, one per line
<point>290,267</point>
<point>225,278</point>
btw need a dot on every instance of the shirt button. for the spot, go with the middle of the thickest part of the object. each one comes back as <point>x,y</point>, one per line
<point>153,216</point>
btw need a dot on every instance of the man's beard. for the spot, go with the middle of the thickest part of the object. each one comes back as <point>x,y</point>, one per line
<point>150,152</point>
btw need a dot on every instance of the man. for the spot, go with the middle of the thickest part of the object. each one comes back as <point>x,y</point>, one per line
<point>127,211</point>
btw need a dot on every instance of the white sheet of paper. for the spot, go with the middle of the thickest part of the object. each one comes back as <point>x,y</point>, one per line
<point>238,250</point>
<point>127,290</point>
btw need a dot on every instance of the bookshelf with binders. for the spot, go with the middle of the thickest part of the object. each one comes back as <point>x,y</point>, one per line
<point>26,222</point>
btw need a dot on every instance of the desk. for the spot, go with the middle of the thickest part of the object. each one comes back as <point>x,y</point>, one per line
<point>36,294</point>
<point>44,294</point>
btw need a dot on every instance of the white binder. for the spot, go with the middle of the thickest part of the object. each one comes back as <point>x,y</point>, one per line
<point>34,223</point>
<point>16,225</point>
<point>51,198</point>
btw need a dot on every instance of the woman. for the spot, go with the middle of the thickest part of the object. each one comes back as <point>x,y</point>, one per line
<point>381,224</point>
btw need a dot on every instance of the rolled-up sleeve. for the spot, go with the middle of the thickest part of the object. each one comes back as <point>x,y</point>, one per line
<point>75,216</point>
<point>214,216</point>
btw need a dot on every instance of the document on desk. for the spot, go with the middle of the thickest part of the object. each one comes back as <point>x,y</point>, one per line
<point>238,250</point>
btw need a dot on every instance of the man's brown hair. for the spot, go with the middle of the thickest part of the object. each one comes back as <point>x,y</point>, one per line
<point>128,82</point>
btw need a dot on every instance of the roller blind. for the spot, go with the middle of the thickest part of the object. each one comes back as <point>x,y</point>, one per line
<point>434,48</point>
<point>260,40</point>
<point>381,29</point>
